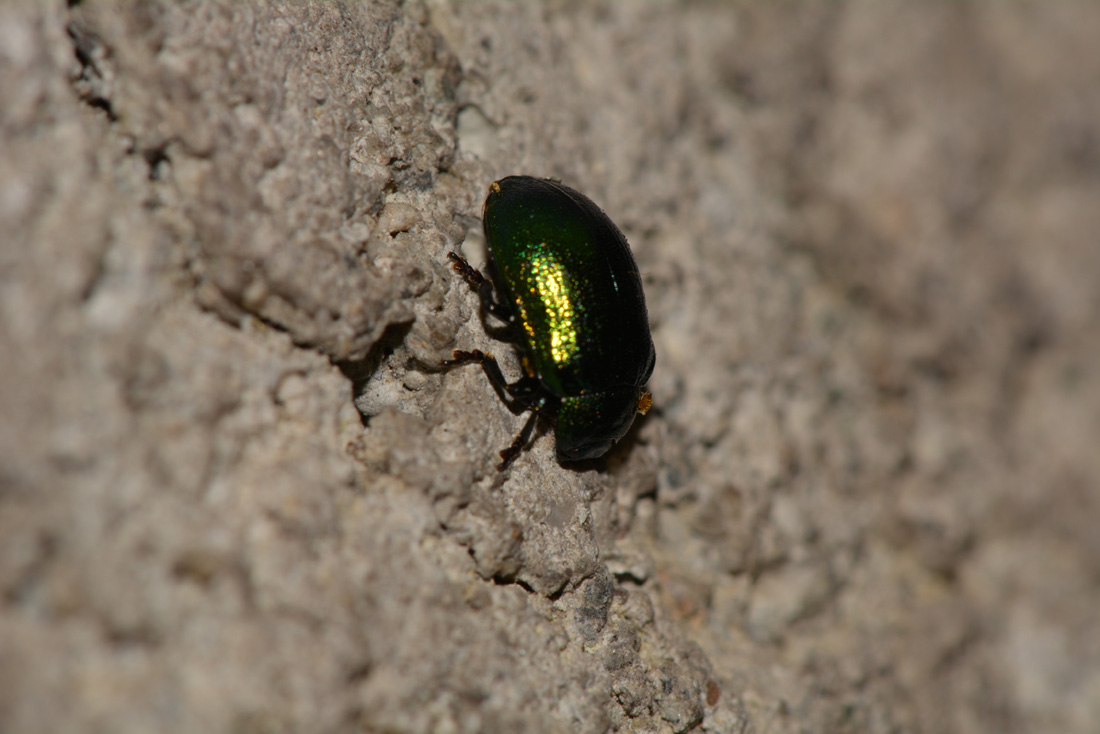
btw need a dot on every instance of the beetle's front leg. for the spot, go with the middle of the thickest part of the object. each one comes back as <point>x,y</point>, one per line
<point>523,394</point>
<point>508,455</point>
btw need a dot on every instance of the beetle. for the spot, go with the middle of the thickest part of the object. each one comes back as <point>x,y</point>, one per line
<point>563,281</point>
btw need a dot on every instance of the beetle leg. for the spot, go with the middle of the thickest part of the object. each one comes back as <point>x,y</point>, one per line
<point>483,286</point>
<point>508,455</point>
<point>520,394</point>
<point>523,394</point>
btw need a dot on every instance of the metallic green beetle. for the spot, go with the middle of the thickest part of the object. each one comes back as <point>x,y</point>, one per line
<point>569,292</point>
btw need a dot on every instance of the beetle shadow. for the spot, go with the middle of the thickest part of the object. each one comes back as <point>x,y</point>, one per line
<point>360,371</point>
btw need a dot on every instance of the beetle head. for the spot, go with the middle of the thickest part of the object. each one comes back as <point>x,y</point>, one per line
<point>588,425</point>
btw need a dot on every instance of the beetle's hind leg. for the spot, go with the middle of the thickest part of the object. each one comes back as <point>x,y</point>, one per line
<point>483,286</point>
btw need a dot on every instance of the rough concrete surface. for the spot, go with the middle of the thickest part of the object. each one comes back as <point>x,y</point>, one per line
<point>238,493</point>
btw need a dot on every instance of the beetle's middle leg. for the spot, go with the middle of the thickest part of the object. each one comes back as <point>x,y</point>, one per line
<point>524,394</point>
<point>518,396</point>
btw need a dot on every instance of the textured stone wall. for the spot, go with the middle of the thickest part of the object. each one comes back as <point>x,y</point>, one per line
<point>238,494</point>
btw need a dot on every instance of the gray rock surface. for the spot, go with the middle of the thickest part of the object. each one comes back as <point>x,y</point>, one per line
<point>238,493</point>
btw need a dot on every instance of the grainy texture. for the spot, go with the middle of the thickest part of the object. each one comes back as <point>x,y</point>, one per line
<point>237,493</point>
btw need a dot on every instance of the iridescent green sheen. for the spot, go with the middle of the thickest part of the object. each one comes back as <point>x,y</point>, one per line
<point>566,275</point>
